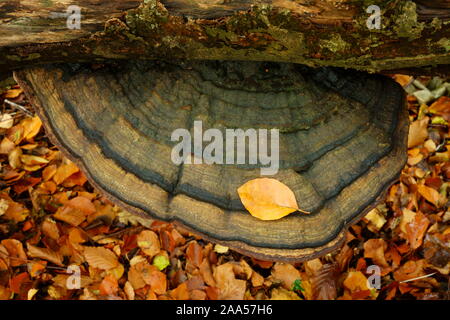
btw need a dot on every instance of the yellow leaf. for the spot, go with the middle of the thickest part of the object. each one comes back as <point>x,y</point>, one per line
<point>31,293</point>
<point>418,132</point>
<point>13,93</point>
<point>431,195</point>
<point>31,127</point>
<point>268,199</point>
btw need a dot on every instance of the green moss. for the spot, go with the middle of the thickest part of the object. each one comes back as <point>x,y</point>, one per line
<point>445,43</point>
<point>406,24</point>
<point>31,56</point>
<point>335,44</point>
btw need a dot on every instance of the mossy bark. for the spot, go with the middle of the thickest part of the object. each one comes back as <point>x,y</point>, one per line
<point>315,33</point>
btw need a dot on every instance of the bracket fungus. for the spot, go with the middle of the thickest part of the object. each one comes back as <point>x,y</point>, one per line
<point>342,143</point>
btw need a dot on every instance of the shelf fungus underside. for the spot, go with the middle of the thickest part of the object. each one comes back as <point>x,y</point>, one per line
<point>342,143</point>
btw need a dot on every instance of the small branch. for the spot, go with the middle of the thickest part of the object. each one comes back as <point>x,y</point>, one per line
<point>19,107</point>
<point>418,278</point>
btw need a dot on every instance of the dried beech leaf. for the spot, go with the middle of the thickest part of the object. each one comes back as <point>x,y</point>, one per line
<point>149,243</point>
<point>268,199</point>
<point>99,257</point>
<point>31,127</point>
<point>230,287</point>
<point>418,132</point>
<point>374,249</point>
<point>46,254</point>
<point>15,250</point>
<point>64,171</point>
<point>286,273</point>
<point>431,195</point>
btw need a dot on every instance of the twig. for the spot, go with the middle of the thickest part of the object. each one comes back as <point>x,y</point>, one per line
<point>418,278</point>
<point>18,106</point>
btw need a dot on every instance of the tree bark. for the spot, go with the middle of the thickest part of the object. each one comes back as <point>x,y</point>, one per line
<point>314,32</point>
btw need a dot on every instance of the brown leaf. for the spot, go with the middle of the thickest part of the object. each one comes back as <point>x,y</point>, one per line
<point>374,249</point>
<point>64,171</point>
<point>323,279</point>
<point>286,273</point>
<point>153,277</point>
<point>99,257</point>
<point>149,243</point>
<point>50,229</point>
<point>206,273</point>
<point>70,215</point>
<point>418,132</point>
<point>267,199</point>
<point>6,146</point>
<point>431,195</point>
<point>180,293</point>
<point>230,287</point>
<point>15,250</point>
<point>109,286</point>
<point>411,269</point>
<point>83,204</point>
<point>356,281</point>
<point>46,254</point>
<point>416,229</point>
<point>194,253</point>
<point>14,158</point>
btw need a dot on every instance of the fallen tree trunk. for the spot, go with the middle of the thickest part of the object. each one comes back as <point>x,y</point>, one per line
<point>315,33</point>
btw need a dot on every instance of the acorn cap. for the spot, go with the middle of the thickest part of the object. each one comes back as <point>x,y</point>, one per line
<point>342,143</point>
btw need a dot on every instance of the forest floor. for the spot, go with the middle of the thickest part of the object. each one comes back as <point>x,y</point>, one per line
<point>61,239</point>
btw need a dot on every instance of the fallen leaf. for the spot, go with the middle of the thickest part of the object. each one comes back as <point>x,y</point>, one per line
<point>416,229</point>
<point>31,293</point>
<point>6,121</point>
<point>70,215</point>
<point>431,195</point>
<point>194,253</point>
<point>180,293</point>
<point>109,286</point>
<point>46,254</point>
<point>268,199</point>
<point>149,243</point>
<point>286,273</point>
<point>13,93</point>
<point>50,229</point>
<point>283,294</point>
<point>31,127</point>
<point>356,281</point>
<point>418,132</point>
<point>16,282</point>
<point>64,171</point>
<point>6,146</point>
<point>230,287</point>
<point>83,204</point>
<point>99,257</point>
<point>221,249</point>
<point>16,252</point>
<point>129,291</point>
<point>374,249</point>
<point>153,277</point>
<point>410,270</point>
<point>161,261</point>
<point>14,158</point>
